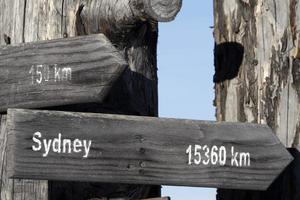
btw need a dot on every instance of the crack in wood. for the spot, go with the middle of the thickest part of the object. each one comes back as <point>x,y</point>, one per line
<point>24,21</point>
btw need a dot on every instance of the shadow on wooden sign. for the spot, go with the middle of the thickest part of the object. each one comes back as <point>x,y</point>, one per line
<point>58,72</point>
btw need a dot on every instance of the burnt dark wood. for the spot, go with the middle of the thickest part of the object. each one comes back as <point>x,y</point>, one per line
<point>142,150</point>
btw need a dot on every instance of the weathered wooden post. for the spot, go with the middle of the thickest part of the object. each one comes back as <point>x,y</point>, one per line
<point>131,25</point>
<point>258,76</point>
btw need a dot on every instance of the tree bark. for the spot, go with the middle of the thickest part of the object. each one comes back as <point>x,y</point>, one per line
<point>132,27</point>
<point>257,65</point>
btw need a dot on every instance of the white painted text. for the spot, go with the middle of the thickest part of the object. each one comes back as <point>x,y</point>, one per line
<point>60,145</point>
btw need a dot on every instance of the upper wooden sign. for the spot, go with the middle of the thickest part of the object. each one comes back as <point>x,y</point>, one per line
<point>58,72</point>
<point>141,150</point>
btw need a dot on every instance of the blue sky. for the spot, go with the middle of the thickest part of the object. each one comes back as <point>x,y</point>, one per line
<point>185,63</point>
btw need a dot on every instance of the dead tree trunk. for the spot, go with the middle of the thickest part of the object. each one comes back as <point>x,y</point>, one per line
<point>132,26</point>
<point>257,64</point>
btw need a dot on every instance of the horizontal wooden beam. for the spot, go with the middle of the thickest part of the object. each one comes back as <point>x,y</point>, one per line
<point>58,72</point>
<point>141,150</point>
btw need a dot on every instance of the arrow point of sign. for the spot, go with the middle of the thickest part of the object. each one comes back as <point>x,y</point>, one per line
<point>285,158</point>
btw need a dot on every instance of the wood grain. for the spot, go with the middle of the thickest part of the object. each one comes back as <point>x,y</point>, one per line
<point>161,10</point>
<point>129,12</point>
<point>16,189</point>
<point>142,150</point>
<point>13,17</point>
<point>94,63</point>
<point>136,92</point>
<point>266,88</point>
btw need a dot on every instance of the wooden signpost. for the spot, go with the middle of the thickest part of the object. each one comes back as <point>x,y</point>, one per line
<point>140,151</point>
<point>58,72</point>
<point>67,146</point>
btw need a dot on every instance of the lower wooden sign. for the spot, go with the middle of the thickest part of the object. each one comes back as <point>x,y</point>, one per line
<point>142,150</point>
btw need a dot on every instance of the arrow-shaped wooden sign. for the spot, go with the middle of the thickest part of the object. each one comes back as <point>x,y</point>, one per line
<point>58,72</point>
<point>141,150</point>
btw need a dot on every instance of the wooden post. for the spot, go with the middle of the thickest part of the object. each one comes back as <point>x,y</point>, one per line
<point>257,75</point>
<point>132,27</point>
